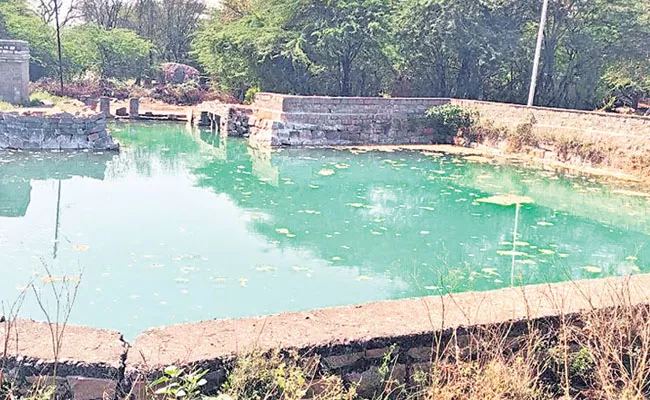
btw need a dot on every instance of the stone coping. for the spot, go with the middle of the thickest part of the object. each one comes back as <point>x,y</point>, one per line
<point>84,351</point>
<point>469,102</point>
<point>275,101</point>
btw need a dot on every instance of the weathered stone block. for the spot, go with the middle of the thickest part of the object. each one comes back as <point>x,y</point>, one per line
<point>371,381</point>
<point>379,353</point>
<point>420,353</point>
<point>343,360</point>
<point>41,382</point>
<point>91,388</point>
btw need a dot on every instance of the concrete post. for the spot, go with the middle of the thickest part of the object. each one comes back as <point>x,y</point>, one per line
<point>134,108</point>
<point>105,106</point>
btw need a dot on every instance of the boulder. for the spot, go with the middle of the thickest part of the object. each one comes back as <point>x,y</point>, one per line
<point>175,73</point>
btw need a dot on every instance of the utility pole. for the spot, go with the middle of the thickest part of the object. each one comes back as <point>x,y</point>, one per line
<point>58,42</point>
<point>538,51</point>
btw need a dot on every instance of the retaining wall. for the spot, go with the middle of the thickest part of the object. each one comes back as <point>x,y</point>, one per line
<point>346,341</point>
<point>591,123</point>
<point>60,131</point>
<point>281,120</point>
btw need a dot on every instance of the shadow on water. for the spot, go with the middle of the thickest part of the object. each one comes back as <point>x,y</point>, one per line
<point>19,169</point>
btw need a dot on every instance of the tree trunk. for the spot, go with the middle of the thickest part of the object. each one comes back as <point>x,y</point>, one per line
<point>346,84</point>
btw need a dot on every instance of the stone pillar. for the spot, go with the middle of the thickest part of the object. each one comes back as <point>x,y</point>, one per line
<point>134,108</point>
<point>105,106</point>
<point>14,70</point>
<point>204,120</point>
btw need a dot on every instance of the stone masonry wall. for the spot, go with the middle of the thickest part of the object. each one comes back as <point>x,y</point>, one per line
<point>61,131</point>
<point>281,120</point>
<point>617,142</point>
<point>556,119</point>
<point>14,71</point>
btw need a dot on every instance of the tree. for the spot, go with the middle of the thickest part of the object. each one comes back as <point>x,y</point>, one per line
<point>105,13</point>
<point>479,49</point>
<point>108,53</point>
<point>311,46</point>
<point>47,10</point>
<point>180,21</point>
<point>339,32</point>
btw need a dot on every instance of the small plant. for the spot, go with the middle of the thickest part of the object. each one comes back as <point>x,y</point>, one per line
<point>249,97</point>
<point>176,383</point>
<point>5,106</point>
<point>450,119</point>
<point>282,376</point>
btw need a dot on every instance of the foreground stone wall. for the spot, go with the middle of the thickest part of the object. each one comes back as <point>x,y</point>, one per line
<point>346,341</point>
<point>14,71</point>
<point>61,131</point>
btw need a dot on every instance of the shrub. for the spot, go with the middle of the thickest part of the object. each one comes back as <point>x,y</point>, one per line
<point>450,119</point>
<point>275,376</point>
<point>79,88</point>
<point>188,93</point>
<point>249,97</point>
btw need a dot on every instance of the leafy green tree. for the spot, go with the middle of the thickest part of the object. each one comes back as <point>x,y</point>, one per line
<point>475,49</point>
<point>308,46</point>
<point>338,33</point>
<point>594,50</point>
<point>108,53</point>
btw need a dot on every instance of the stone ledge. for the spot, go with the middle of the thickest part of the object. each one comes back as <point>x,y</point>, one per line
<point>57,131</point>
<point>85,351</point>
<point>409,323</point>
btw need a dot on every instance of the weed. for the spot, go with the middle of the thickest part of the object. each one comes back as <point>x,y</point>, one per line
<point>278,376</point>
<point>176,383</point>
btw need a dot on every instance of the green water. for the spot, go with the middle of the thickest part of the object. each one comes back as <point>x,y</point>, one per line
<point>182,226</point>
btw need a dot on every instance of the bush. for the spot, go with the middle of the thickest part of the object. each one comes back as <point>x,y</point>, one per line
<point>249,97</point>
<point>79,88</point>
<point>450,119</point>
<point>188,93</point>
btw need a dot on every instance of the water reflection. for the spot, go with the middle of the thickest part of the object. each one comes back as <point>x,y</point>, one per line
<point>185,225</point>
<point>19,169</point>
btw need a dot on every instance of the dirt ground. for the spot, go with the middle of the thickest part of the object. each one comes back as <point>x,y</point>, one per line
<point>153,106</point>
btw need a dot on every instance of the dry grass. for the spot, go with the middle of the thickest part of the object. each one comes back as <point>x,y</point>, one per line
<point>599,354</point>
